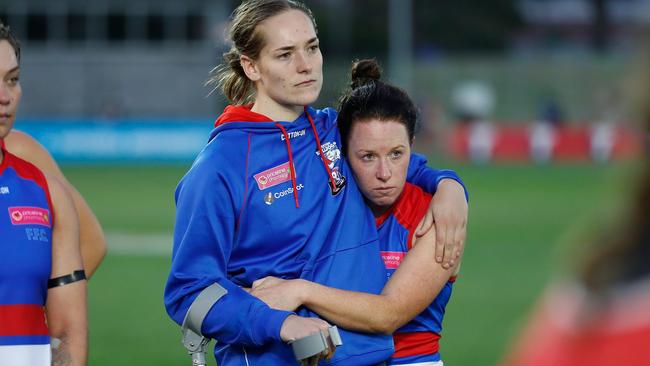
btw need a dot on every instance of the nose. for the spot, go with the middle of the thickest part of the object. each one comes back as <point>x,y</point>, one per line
<point>383,171</point>
<point>303,64</point>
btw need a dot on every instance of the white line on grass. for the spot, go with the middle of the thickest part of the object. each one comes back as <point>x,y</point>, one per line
<point>139,244</point>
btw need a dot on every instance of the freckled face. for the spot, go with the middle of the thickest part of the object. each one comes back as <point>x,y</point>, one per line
<point>378,152</point>
<point>289,68</point>
<point>10,90</point>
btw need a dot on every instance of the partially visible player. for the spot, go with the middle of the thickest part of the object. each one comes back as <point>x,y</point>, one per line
<point>42,282</point>
<point>91,235</point>
<point>600,316</point>
<point>377,123</point>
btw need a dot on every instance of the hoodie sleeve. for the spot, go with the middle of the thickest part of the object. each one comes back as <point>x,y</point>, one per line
<point>203,240</point>
<point>427,178</point>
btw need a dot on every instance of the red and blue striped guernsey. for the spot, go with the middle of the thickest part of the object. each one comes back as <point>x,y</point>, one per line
<point>25,262</point>
<point>416,343</point>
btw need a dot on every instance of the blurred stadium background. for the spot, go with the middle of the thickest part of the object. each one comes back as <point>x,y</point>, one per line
<point>525,98</point>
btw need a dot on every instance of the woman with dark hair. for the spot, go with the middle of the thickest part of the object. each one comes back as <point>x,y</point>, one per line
<point>378,123</point>
<point>269,195</point>
<point>42,287</point>
<point>601,316</point>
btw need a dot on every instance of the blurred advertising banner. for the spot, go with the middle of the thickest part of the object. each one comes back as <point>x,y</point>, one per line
<point>543,142</point>
<point>120,141</point>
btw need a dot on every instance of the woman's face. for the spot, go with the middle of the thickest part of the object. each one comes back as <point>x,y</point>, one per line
<point>288,71</point>
<point>379,152</point>
<point>10,91</point>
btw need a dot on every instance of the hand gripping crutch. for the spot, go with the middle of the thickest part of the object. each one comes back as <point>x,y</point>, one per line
<point>308,349</point>
<point>193,340</point>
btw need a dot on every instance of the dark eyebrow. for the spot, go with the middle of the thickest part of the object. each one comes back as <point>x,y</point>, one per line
<point>289,48</point>
<point>16,68</point>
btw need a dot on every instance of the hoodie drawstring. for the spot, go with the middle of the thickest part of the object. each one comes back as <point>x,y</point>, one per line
<point>324,159</point>
<point>291,166</point>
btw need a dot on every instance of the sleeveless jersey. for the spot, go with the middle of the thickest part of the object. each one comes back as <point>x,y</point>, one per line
<point>416,341</point>
<point>25,262</point>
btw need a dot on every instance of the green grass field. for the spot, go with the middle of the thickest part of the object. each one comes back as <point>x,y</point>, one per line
<point>525,223</point>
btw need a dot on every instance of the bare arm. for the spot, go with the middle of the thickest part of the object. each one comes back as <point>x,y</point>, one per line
<point>414,285</point>
<point>448,210</point>
<point>66,305</point>
<point>91,236</point>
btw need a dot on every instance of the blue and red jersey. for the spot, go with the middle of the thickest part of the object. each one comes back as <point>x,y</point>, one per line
<point>25,262</point>
<point>416,341</point>
<point>266,198</point>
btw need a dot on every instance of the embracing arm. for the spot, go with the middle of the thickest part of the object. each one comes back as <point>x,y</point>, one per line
<point>66,305</point>
<point>91,236</point>
<point>414,285</point>
<point>448,208</point>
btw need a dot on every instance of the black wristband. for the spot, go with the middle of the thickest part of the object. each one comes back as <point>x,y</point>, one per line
<point>67,279</point>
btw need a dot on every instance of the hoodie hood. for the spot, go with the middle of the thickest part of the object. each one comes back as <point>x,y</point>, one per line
<point>240,113</point>
<point>242,118</point>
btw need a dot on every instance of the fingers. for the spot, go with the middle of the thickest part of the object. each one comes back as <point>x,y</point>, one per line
<point>459,239</point>
<point>258,283</point>
<point>449,247</point>
<point>296,327</point>
<point>440,241</point>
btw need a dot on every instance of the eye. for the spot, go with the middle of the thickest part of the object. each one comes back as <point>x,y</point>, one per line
<point>313,48</point>
<point>284,56</point>
<point>14,80</point>
<point>367,157</point>
<point>396,154</point>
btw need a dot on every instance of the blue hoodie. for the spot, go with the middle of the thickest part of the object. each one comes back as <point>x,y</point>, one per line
<point>260,201</point>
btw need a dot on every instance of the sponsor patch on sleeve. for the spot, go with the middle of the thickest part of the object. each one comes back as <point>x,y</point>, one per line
<point>274,176</point>
<point>30,216</point>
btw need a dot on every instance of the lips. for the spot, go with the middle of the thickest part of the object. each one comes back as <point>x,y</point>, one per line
<point>306,83</point>
<point>384,190</point>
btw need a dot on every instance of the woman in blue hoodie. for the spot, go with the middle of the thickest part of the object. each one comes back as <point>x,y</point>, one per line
<point>378,123</point>
<point>269,195</point>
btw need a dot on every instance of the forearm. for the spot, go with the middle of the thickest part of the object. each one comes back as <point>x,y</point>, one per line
<point>236,318</point>
<point>353,310</point>
<point>409,291</point>
<point>70,349</point>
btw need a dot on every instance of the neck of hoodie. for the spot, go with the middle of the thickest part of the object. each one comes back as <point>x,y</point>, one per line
<point>276,111</point>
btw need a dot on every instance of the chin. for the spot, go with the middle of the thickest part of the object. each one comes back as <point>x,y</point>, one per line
<point>308,99</point>
<point>3,133</point>
<point>384,202</point>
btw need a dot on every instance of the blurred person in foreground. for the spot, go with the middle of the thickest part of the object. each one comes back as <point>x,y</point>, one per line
<point>378,122</point>
<point>42,282</point>
<point>601,317</point>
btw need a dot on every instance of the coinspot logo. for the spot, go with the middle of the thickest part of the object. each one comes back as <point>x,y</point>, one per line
<point>287,191</point>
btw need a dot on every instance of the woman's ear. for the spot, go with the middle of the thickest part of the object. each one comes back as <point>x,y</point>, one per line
<point>250,67</point>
